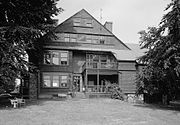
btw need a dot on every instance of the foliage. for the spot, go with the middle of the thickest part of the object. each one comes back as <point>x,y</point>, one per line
<point>162,70</point>
<point>22,24</point>
<point>115,90</point>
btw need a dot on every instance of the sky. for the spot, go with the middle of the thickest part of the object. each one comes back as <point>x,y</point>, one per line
<point>128,16</point>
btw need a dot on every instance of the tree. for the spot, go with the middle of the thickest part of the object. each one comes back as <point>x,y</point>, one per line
<point>22,24</point>
<point>162,71</point>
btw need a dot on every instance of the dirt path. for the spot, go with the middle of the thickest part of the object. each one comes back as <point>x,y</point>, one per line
<point>88,112</point>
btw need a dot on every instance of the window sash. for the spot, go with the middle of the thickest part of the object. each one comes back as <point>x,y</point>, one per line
<point>55,81</point>
<point>56,58</point>
<point>46,81</point>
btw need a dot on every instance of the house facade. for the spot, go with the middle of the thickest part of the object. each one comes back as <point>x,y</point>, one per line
<point>87,55</point>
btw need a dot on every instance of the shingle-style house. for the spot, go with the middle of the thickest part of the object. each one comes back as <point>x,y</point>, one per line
<point>89,54</point>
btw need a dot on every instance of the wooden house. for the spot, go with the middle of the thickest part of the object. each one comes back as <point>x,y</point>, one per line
<point>86,54</point>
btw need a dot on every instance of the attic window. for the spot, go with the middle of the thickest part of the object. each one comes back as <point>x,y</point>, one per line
<point>66,37</point>
<point>88,22</point>
<point>102,40</point>
<point>77,22</point>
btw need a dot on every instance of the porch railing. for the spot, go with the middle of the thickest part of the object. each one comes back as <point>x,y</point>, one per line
<point>100,65</point>
<point>97,88</point>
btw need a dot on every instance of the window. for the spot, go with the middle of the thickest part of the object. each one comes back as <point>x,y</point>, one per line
<point>47,58</point>
<point>73,37</point>
<point>56,57</point>
<point>64,81</point>
<point>95,39</point>
<point>102,40</point>
<point>76,21</point>
<point>54,80</point>
<point>88,22</point>
<point>66,37</point>
<point>64,58</point>
<point>47,81</point>
<point>88,38</point>
<point>81,38</point>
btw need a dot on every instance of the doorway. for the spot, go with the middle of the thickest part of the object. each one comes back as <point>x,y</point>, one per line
<point>76,83</point>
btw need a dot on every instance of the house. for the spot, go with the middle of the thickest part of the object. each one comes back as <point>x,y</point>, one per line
<point>86,54</point>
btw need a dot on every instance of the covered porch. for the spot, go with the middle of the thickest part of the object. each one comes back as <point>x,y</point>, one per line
<point>96,81</point>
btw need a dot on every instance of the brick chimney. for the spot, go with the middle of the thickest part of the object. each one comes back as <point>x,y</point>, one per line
<point>108,25</point>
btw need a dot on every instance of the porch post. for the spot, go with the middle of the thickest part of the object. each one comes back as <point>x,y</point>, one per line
<point>86,80</point>
<point>98,80</point>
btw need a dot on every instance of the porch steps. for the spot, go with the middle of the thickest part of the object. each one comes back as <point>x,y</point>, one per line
<point>80,95</point>
<point>98,95</point>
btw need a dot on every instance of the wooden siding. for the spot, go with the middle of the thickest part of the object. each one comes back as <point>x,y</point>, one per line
<point>127,81</point>
<point>96,29</point>
<point>68,26</point>
<point>125,66</point>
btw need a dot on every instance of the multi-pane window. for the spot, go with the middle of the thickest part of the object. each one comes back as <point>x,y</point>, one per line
<point>83,22</point>
<point>47,58</point>
<point>73,37</point>
<point>88,22</point>
<point>47,81</point>
<point>64,80</point>
<point>88,38</point>
<point>56,57</point>
<point>63,58</point>
<point>102,40</point>
<point>67,37</point>
<point>85,38</point>
<point>54,80</point>
<point>77,21</point>
<point>95,39</point>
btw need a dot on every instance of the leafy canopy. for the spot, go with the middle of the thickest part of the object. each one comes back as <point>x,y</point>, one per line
<point>22,24</point>
<point>162,71</point>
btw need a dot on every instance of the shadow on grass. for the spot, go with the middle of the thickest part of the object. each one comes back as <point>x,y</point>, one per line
<point>170,107</point>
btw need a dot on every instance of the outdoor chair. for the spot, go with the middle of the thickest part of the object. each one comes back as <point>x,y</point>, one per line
<point>14,103</point>
<point>21,102</point>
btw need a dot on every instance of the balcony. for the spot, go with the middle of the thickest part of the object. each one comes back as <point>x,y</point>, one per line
<point>100,65</point>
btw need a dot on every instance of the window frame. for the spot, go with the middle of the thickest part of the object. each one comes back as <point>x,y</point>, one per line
<point>59,76</point>
<point>77,21</point>
<point>59,58</point>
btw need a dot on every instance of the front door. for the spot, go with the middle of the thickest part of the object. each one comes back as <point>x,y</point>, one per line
<point>76,83</point>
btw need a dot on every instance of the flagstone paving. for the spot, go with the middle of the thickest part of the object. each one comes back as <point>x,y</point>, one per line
<point>88,112</point>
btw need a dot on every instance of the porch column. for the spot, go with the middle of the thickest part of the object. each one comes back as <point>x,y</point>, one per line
<point>119,78</point>
<point>98,80</point>
<point>86,80</point>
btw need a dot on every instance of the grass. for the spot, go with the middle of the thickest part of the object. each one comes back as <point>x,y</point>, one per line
<point>88,112</point>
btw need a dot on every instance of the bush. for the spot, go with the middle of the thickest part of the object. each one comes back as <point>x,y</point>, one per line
<point>115,90</point>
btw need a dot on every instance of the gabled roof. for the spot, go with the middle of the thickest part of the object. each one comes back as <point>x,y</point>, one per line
<point>97,29</point>
<point>129,55</point>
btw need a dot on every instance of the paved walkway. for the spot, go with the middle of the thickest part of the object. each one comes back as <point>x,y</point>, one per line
<point>89,112</point>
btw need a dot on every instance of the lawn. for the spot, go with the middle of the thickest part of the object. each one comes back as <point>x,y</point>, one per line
<point>88,112</point>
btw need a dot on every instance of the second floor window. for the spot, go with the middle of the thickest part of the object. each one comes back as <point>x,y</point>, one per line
<point>56,57</point>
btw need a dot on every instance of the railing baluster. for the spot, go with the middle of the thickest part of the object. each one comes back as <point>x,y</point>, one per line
<point>100,65</point>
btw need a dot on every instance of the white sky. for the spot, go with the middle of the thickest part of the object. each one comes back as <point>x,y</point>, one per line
<point>128,16</point>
